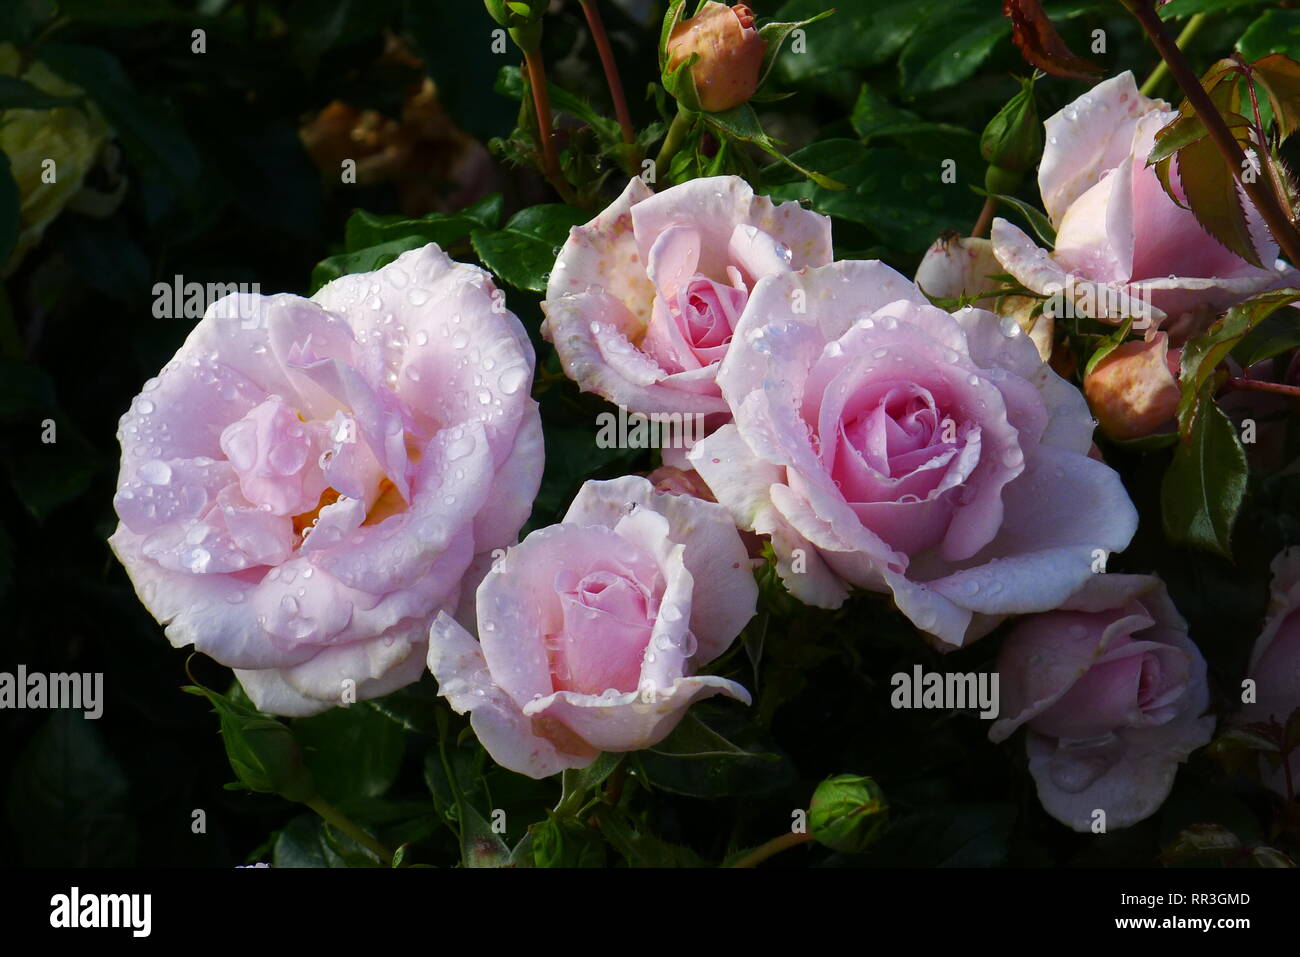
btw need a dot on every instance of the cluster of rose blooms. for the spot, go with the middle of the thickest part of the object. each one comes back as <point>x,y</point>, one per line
<point>326,493</point>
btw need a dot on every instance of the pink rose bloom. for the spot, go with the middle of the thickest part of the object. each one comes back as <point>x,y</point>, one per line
<point>1275,660</point>
<point>885,444</point>
<point>305,484</point>
<point>644,299</point>
<point>1112,692</point>
<point>1117,229</point>
<point>591,631</point>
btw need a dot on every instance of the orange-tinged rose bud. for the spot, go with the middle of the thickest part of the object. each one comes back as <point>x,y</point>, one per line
<point>1134,390</point>
<point>731,54</point>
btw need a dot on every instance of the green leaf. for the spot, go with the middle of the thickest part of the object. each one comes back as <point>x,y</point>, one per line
<point>1205,483</point>
<point>1273,336</point>
<point>1202,354</point>
<point>948,49</point>
<point>362,260</point>
<point>1280,77</point>
<point>352,752</point>
<point>523,253</point>
<point>867,33</point>
<point>1211,191</point>
<point>874,116</point>
<point>69,801</point>
<point>367,229</point>
<point>1108,345</point>
<point>900,201</point>
<point>774,36</point>
<point>1277,31</point>
<point>307,841</point>
<point>970,835</point>
<point>716,753</point>
<point>1037,219</point>
<point>638,847</point>
<point>741,123</point>
<point>510,82</point>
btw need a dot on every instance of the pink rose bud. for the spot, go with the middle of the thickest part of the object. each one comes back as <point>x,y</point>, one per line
<point>731,53</point>
<point>1134,390</point>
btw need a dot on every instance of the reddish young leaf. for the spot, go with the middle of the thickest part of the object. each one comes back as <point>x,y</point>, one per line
<point>1041,45</point>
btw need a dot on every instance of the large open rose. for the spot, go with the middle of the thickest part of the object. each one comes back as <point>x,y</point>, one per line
<point>644,299</point>
<point>591,631</point>
<point>1113,693</point>
<point>885,444</point>
<point>306,483</point>
<point>1118,232</point>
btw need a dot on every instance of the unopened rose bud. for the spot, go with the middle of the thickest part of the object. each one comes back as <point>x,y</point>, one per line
<point>1134,390</point>
<point>730,54</point>
<point>1012,142</point>
<point>847,813</point>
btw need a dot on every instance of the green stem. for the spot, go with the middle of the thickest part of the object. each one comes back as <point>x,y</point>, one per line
<point>334,816</point>
<point>570,794</point>
<point>1162,68</point>
<point>673,141</point>
<point>772,847</point>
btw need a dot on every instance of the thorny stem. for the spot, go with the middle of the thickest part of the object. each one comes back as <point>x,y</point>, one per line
<point>334,816</point>
<point>772,847</point>
<point>1269,206</point>
<point>542,107</point>
<point>611,70</point>
<point>1158,74</point>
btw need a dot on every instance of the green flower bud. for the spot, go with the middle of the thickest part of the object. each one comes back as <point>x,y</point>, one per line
<point>1013,140</point>
<point>522,18</point>
<point>263,752</point>
<point>847,813</point>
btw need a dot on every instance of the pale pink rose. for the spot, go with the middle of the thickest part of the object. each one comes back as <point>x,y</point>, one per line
<point>885,444</point>
<point>644,299</point>
<point>1118,232</point>
<point>591,631</point>
<point>1113,694</point>
<point>1275,660</point>
<point>305,484</point>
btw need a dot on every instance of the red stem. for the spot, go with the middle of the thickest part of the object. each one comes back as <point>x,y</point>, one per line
<point>611,69</point>
<point>1257,385</point>
<point>542,106</point>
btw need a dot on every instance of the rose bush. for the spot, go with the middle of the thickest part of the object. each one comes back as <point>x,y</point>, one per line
<point>885,444</point>
<point>306,484</point>
<point>591,631</point>
<point>1113,694</point>
<point>643,301</point>
<point>1120,238</point>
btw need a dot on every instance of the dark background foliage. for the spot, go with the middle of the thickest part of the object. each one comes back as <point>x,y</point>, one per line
<point>220,188</point>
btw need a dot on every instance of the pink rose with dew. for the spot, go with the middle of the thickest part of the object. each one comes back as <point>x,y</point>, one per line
<point>644,299</point>
<point>1119,237</point>
<point>306,484</point>
<point>884,444</point>
<point>1112,692</point>
<point>591,632</point>
<point>1275,662</point>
